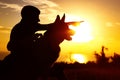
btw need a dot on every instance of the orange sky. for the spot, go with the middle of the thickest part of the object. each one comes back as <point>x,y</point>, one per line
<point>102,15</point>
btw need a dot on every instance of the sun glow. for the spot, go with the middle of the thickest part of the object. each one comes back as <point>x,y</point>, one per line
<point>82,32</point>
<point>78,57</point>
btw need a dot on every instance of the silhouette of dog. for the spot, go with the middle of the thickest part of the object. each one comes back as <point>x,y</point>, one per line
<point>47,47</point>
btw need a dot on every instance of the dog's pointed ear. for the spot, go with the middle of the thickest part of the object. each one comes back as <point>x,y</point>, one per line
<point>57,19</point>
<point>63,18</point>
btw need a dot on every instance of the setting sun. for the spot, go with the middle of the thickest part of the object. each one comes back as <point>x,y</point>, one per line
<point>78,57</point>
<point>82,32</point>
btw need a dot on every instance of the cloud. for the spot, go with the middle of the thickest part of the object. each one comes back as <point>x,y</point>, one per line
<point>117,23</point>
<point>1,27</point>
<point>46,6</point>
<point>15,7</point>
<point>109,24</point>
<point>49,9</point>
<point>5,29</point>
<point>41,2</point>
<point>112,24</point>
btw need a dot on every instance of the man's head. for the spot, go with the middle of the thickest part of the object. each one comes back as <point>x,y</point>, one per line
<point>30,13</point>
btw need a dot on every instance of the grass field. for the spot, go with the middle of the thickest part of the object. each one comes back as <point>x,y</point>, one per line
<point>93,73</point>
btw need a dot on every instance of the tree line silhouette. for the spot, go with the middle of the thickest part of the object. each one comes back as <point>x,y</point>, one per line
<point>101,57</point>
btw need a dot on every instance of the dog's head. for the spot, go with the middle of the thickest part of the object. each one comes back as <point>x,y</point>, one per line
<point>60,29</point>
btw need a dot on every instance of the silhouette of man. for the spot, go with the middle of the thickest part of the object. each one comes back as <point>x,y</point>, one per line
<point>22,33</point>
<point>20,61</point>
